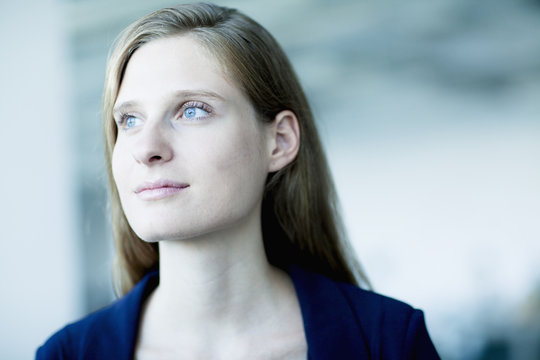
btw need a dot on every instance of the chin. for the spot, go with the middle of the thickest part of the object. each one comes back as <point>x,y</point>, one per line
<point>153,236</point>
<point>156,232</point>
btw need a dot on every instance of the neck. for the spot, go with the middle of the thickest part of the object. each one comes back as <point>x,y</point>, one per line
<point>218,295</point>
<point>218,280</point>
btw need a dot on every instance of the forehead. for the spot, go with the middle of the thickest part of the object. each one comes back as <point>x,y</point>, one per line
<point>171,64</point>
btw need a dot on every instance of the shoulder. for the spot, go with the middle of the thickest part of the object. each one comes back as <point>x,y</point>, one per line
<point>377,311</point>
<point>350,320</point>
<point>109,332</point>
<point>74,339</point>
<point>390,326</point>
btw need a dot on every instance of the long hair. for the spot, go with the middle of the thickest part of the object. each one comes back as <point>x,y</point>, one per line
<point>301,224</point>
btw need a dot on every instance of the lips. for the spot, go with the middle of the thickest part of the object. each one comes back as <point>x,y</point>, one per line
<point>160,189</point>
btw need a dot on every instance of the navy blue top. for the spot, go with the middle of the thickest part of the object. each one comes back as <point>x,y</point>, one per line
<point>341,321</point>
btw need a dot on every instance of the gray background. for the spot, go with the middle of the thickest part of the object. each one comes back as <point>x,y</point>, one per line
<point>430,115</point>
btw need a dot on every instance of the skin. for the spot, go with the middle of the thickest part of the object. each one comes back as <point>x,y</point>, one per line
<point>182,121</point>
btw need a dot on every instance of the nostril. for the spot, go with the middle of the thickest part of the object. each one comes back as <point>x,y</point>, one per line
<point>154,158</point>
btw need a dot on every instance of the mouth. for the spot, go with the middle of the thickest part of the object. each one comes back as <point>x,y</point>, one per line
<point>159,189</point>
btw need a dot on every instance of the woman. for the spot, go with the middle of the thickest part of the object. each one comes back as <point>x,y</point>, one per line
<point>228,240</point>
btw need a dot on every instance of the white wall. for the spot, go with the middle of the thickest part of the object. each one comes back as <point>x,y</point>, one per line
<point>38,249</point>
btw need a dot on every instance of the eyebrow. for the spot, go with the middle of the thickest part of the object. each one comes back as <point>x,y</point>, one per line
<point>198,93</point>
<point>182,94</point>
<point>123,107</point>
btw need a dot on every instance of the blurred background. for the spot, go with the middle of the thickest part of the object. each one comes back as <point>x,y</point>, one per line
<point>430,115</point>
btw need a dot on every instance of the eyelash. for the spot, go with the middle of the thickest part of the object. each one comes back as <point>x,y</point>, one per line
<point>122,120</point>
<point>189,104</point>
<point>123,117</point>
<point>195,104</point>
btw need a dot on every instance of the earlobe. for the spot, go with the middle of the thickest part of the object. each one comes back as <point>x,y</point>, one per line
<point>285,141</point>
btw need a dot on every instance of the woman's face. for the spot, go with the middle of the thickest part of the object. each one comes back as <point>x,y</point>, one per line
<point>190,157</point>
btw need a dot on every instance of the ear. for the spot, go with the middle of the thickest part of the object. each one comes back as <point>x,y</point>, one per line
<point>284,140</point>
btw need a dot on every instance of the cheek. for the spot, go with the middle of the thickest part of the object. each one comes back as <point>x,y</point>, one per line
<point>243,160</point>
<point>239,148</point>
<point>116,165</point>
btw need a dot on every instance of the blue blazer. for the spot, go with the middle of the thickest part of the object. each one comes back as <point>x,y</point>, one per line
<point>341,321</point>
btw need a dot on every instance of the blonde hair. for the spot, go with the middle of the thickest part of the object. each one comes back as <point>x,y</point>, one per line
<point>300,220</point>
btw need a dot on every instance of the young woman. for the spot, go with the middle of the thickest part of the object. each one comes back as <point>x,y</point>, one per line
<point>229,245</point>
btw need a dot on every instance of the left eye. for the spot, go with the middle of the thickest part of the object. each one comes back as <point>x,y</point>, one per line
<point>131,121</point>
<point>128,122</point>
<point>193,112</point>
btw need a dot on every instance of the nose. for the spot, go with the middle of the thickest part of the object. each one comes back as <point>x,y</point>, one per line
<point>152,146</point>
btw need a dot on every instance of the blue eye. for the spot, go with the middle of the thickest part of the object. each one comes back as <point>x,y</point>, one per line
<point>128,121</point>
<point>131,121</point>
<point>193,112</point>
